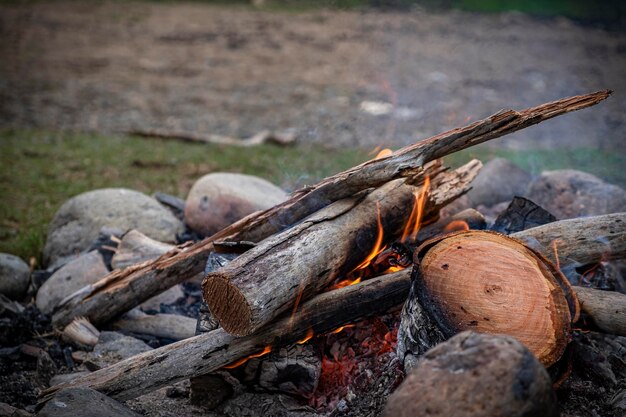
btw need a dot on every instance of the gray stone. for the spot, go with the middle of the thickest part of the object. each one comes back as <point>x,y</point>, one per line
<point>220,199</point>
<point>570,193</point>
<point>499,180</point>
<point>7,410</point>
<point>77,223</point>
<point>168,297</point>
<point>84,402</point>
<point>113,347</point>
<point>474,375</point>
<point>14,276</point>
<point>82,271</point>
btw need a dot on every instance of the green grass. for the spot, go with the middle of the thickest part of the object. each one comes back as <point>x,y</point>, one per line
<point>40,170</point>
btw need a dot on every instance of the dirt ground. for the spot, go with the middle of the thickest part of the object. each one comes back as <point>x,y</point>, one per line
<point>113,67</point>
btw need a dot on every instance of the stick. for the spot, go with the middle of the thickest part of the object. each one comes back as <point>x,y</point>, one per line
<point>184,262</point>
<point>210,351</point>
<point>264,136</point>
<point>606,309</point>
<point>585,240</point>
<point>168,326</point>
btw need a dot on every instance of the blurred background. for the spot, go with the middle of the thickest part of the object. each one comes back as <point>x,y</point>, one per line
<point>79,80</point>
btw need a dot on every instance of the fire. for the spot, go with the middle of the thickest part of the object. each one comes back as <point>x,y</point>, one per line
<point>309,336</point>
<point>456,226</point>
<point>383,153</point>
<point>240,362</point>
<point>556,254</point>
<point>414,222</point>
<point>377,245</point>
<point>346,283</point>
<point>339,329</point>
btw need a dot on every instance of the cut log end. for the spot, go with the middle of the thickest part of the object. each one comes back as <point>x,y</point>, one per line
<point>227,301</point>
<point>491,283</point>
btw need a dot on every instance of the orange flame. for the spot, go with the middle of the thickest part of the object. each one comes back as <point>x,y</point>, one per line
<point>383,153</point>
<point>556,254</point>
<point>346,283</point>
<point>415,219</point>
<point>309,336</point>
<point>377,245</point>
<point>296,304</point>
<point>339,329</point>
<point>456,226</point>
<point>240,362</point>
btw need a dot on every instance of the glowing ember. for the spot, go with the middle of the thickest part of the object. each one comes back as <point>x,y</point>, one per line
<point>415,218</point>
<point>240,362</point>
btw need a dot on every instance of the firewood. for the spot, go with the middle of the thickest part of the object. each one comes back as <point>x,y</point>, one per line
<point>585,240</point>
<point>605,309</point>
<point>210,351</point>
<point>475,375</point>
<point>168,326</point>
<point>294,265</point>
<point>486,282</point>
<point>122,290</point>
<point>135,247</point>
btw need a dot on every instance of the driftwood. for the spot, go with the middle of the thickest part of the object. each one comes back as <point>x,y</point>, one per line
<point>265,136</point>
<point>110,297</point>
<point>135,247</point>
<point>168,326</point>
<point>210,351</point>
<point>294,265</point>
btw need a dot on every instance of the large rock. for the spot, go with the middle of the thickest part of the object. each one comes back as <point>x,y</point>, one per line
<point>84,270</point>
<point>474,375</point>
<point>77,223</point>
<point>499,180</point>
<point>571,193</point>
<point>84,402</point>
<point>14,276</point>
<point>220,199</point>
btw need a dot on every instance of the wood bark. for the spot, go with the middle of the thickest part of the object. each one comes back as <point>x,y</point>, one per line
<point>122,290</point>
<point>490,283</point>
<point>210,351</point>
<point>293,265</point>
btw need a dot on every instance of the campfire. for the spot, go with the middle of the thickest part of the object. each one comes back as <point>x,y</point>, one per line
<point>357,283</point>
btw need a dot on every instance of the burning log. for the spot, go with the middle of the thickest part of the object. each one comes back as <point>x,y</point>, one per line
<point>122,290</point>
<point>210,351</point>
<point>491,283</point>
<point>294,265</point>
